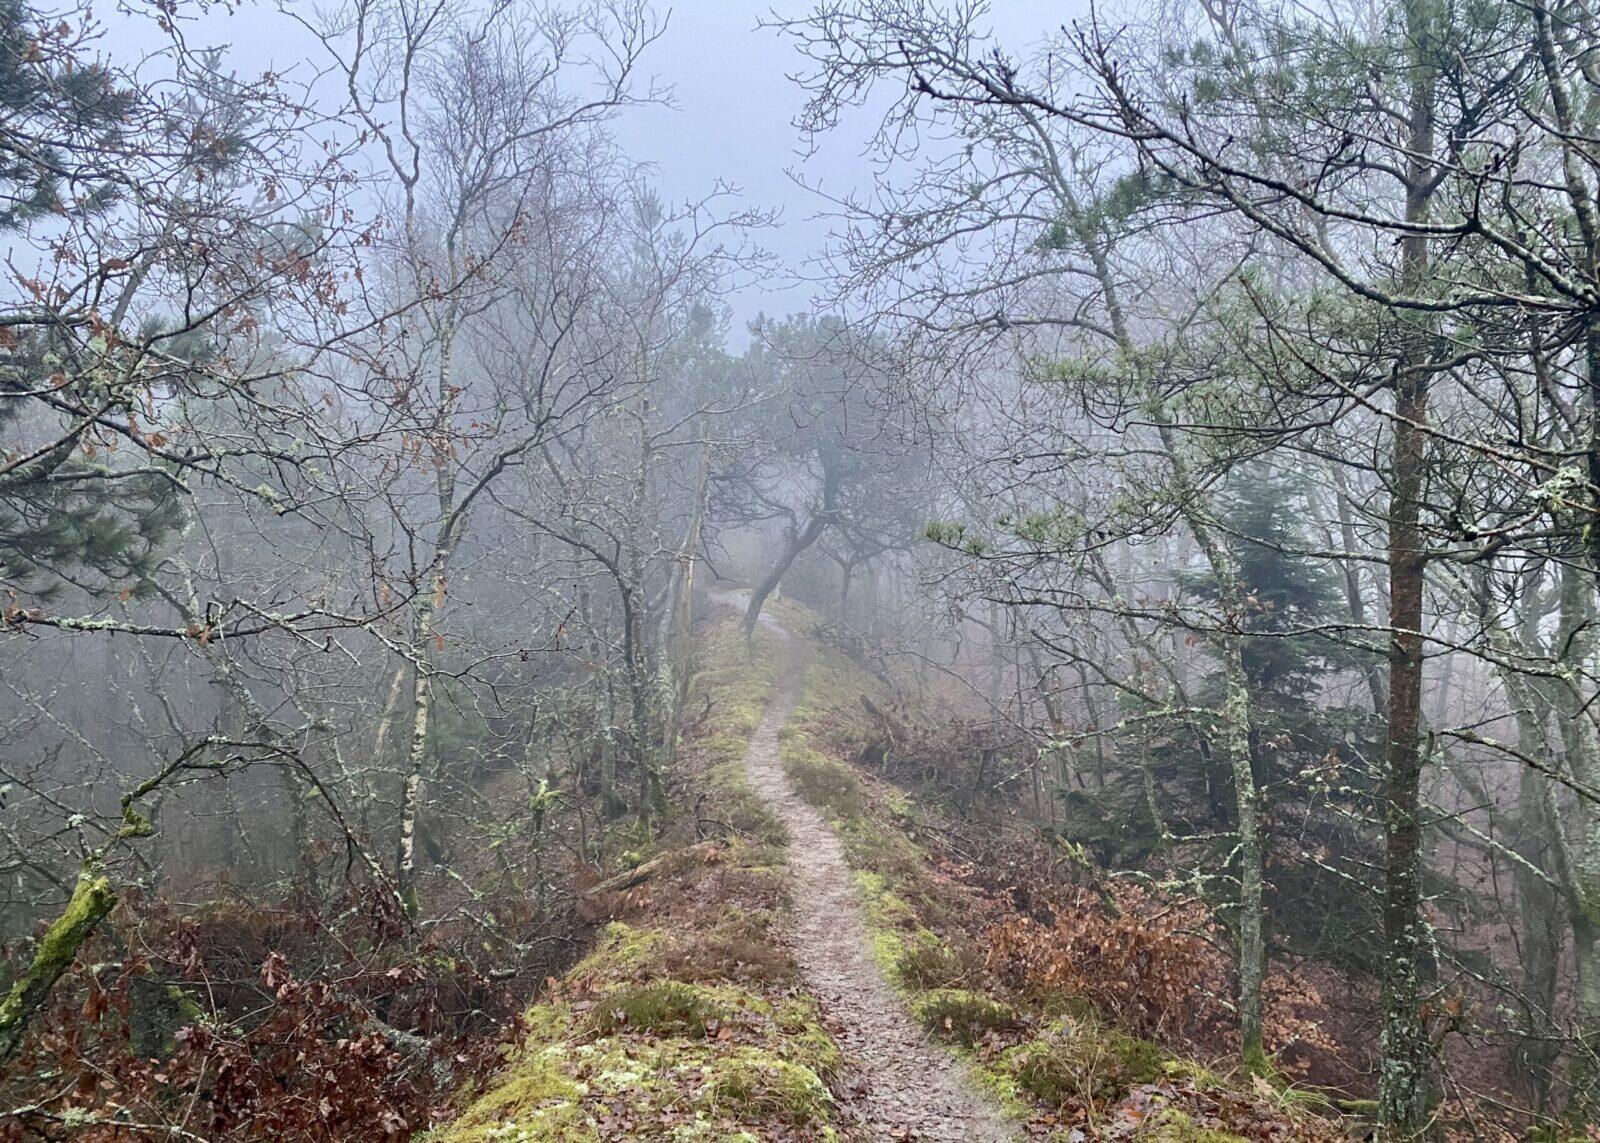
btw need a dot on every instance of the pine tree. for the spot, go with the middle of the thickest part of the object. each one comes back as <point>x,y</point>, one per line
<point>1300,738</point>
<point>61,119</point>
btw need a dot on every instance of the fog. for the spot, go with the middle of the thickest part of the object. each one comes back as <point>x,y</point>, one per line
<point>870,569</point>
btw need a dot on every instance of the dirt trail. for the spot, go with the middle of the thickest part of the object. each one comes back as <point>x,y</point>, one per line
<point>912,1090</point>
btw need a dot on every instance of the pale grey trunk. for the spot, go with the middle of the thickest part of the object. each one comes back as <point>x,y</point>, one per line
<point>412,789</point>
<point>1235,742</point>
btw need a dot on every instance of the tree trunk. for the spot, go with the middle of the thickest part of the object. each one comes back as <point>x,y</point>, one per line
<point>1581,878</point>
<point>1535,874</point>
<point>1252,860</point>
<point>1235,737</point>
<point>673,661</point>
<point>1539,908</point>
<point>1404,1083</point>
<point>1371,669</point>
<point>794,544</point>
<point>1583,1108</point>
<point>411,791</point>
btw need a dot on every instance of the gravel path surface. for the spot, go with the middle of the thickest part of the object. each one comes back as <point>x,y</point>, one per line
<point>910,1089</point>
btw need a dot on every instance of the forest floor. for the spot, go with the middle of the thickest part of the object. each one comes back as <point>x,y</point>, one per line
<point>909,1088</point>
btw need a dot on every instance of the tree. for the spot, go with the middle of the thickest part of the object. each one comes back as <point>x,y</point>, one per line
<point>819,448</point>
<point>494,165</point>
<point>1314,132</point>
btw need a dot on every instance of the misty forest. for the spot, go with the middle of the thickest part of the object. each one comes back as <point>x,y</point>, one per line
<point>927,570</point>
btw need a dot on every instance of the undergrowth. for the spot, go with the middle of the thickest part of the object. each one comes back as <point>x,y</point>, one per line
<point>1081,1045</point>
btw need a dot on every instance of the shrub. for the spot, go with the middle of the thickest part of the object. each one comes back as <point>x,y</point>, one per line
<point>1140,958</point>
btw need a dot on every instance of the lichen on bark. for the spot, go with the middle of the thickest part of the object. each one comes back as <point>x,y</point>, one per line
<point>92,898</point>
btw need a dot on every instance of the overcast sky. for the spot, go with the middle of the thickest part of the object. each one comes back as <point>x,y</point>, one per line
<point>733,118</point>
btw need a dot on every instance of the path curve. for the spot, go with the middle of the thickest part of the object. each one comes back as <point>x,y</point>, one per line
<point>913,1090</point>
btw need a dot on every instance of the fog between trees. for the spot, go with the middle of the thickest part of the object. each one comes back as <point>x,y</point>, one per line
<point>1199,417</point>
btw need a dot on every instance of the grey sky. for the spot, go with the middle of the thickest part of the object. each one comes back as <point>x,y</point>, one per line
<point>733,115</point>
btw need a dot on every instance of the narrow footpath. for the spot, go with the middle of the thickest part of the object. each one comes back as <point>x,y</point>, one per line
<point>911,1089</point>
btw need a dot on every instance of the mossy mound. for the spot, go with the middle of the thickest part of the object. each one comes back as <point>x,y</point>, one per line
<point>753,1083</point>
<point>1080,1061</point>
<point>962,1015</point>
<point>535,1101</point>
<point>670,1007</point>
<point>621,951</point>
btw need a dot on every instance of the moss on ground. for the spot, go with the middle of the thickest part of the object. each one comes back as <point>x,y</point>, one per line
<point>671,1007</point>
<point>682,1023</point>
<point>536,1100</point>
<point>1077,1061</point>
<point>1174,1126</point>
<point>755,1083</point>
<point>732,689</point>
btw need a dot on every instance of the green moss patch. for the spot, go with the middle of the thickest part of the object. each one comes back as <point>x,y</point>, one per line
<point>826,783</point>
<point>671,1007</point>
<point>1174,1126</point>
<point>1081,1062</point>
<point>534,1100</point>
